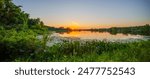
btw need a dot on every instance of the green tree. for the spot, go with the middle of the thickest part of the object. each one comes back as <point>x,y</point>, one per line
<point>11,14</point>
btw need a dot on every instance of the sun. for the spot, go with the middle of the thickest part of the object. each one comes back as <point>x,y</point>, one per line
<point>74,25</point>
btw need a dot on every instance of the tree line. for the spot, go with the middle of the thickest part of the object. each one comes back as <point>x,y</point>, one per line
<point>136,30</point>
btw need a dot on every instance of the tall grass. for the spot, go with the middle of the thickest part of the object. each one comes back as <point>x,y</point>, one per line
<point>93,51</point>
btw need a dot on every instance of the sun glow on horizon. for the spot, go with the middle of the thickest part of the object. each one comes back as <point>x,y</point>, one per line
<point>74,25</point>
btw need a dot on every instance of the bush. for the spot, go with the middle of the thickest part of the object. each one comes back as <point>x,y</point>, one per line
<point>14,44</point>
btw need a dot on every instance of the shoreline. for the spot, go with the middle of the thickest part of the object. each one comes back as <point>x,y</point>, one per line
<point>55,39</point>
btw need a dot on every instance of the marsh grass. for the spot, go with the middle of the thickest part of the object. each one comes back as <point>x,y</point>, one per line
<point>93,51</point>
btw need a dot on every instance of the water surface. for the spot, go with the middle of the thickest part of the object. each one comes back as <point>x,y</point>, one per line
<point>99,35</point>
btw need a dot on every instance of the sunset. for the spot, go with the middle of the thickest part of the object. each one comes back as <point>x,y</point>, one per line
<point>75,30</point>
<point>88,13</point>
<point>74,39</point>
<point>74,25</point>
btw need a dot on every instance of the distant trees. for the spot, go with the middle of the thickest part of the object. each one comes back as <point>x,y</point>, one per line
<point>141,30</point>
<point>35,23</point>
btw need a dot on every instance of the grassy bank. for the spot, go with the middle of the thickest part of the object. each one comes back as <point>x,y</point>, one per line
<point>95,51</point>
<point>24,45</point>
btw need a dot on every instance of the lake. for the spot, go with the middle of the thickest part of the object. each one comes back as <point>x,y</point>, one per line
<point>89,35</point>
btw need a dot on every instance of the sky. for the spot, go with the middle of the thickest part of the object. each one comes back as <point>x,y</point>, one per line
<point>88,13</point>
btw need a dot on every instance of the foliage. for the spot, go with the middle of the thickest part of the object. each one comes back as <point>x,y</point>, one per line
<point>93,51</point>
<point>11,16</point>
<point>18,32</point>
<point>58,30</point>
<point>140,30</point>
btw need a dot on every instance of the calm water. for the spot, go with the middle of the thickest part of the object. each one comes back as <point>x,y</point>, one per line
<point>99,35</point>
